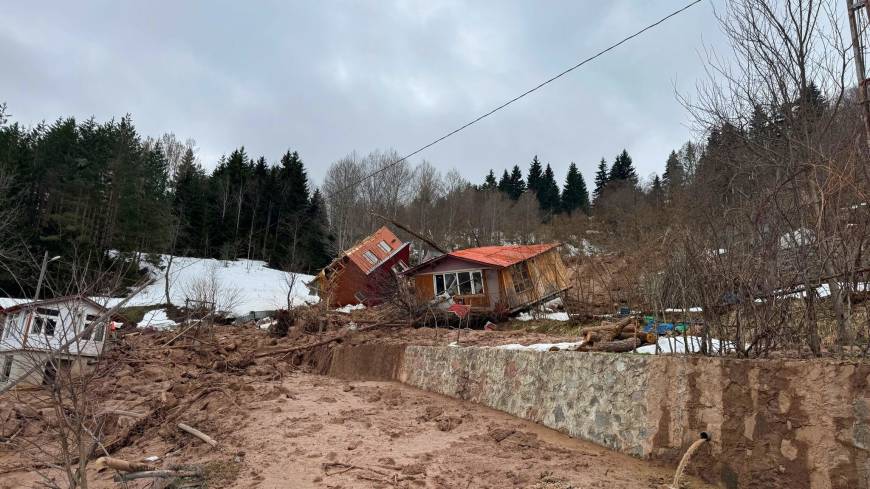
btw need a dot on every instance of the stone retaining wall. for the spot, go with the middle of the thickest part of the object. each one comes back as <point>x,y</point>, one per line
<point>773,423</point>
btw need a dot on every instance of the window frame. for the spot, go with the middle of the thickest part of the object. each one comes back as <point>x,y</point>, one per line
<point>521,271</point>
<point>383,245</point>
<point>360,296</point>
<point>371,257</point>
<point>455,274</point>
<point>399,267</point>
<point>98,333</point>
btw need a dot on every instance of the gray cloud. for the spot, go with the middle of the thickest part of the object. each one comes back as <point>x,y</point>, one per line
<point>327,78</point>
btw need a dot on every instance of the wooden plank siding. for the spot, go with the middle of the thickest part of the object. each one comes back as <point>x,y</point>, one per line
<point>548,275</point>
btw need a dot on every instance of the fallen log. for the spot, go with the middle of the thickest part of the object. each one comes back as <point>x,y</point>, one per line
<point>199,434</point>
<point>121,465</point>
<point>617,346</point>
<point>608,326</point>
<point>154,474</point>
<point>640,335</point>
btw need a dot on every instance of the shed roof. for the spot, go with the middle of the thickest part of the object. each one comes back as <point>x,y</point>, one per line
<point>497,256</point>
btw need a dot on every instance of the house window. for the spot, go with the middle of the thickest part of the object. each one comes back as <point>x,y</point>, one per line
<point>6,370</point>
<point>459,283</point>
<point>399,267</point>
<point>371,257</point>
<point>98,332</point>
<point>521,278</point>
<point>361,296</point>
<point>385,246</point>
<point>43,325</point>
<point>45,321</point>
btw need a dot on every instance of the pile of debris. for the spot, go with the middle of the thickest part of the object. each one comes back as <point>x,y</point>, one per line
<point>622,336</point>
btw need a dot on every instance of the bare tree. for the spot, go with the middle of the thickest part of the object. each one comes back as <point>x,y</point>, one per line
<point>784,160</point>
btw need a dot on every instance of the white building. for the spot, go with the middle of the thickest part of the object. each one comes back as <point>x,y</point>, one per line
<point>33,334</point>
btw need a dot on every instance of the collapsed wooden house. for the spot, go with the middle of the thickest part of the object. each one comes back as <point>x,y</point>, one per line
<point>364,274</point>
<point>493,278</point>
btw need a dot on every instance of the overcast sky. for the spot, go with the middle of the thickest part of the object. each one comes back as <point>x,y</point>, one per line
<point>326,77</point>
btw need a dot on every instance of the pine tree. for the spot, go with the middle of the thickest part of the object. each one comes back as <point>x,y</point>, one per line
<point>504,184</point>
<point>601,179</point>
<point>674,175</point>
<point>623,169</point>
<point>317,244</point>
<point>517,185</point>
<point>489,183</point>
<point>575,196</point>
<point>190,206</point>
<point>535,180</point>
<point>656,191</point>
<point>548,196</point>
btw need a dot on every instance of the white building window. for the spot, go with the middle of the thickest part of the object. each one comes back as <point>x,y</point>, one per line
<point>371,257</point>
<point>6,368</point>
<point>45,321</point>
<point>385,246</point>
<point>459,283</point>
<point>98,332</point>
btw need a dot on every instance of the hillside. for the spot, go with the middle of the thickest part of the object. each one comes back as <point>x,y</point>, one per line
<point>237,286</point>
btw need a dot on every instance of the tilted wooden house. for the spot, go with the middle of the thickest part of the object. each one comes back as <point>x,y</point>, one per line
<point>493,278</point>
<point>365,273</point>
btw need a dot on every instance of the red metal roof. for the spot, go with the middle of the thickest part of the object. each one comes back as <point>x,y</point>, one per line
<point>502,256</point>
<point>497,256</point>
<point>358,254</point>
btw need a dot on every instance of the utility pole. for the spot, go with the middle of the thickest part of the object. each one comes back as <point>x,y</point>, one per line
<point>857,23</point>
<point>45,262</point>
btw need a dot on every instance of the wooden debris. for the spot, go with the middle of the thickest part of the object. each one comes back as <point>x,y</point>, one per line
<point>121,465</point>
<point>154,474</point>
<point>617,346</point>
<point>199,434</point>
<point>622,336</point>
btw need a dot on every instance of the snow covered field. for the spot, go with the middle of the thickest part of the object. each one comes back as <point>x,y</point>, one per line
<point>241,286</point>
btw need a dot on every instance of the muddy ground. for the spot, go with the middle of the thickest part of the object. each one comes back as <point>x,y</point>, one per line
<point>278,425</point>
<point>309,431</point>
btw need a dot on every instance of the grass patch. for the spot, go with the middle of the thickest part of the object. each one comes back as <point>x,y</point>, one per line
<point>221,473</point>
<point>545,326</point>
<point>134,314</point>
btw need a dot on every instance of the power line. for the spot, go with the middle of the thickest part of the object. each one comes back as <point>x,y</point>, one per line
<point>527,92</point>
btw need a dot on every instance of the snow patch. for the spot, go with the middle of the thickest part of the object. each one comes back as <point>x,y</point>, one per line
<point>244,285</point>
<point>350,307</point>
<point>156,319</point>
<point>675,344</point>
<point>540,346</point>
<point>553,316</point>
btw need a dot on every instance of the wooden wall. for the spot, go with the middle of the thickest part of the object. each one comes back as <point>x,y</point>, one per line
<point>549,277</point>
